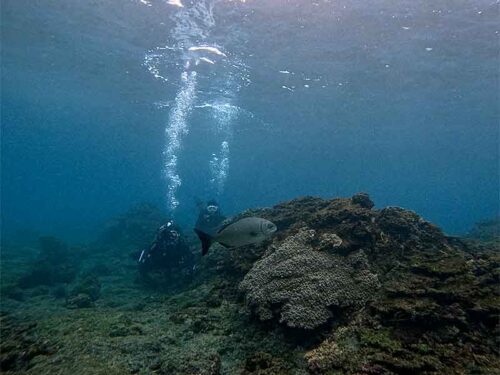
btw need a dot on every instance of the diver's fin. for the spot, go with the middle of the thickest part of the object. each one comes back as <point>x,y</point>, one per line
<point>206,241</point>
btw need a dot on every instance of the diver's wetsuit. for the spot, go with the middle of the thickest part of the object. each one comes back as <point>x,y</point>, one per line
<point>168,250</point>
<point>209,217</point>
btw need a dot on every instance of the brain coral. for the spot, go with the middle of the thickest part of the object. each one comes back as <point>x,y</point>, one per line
<point>301,284</point>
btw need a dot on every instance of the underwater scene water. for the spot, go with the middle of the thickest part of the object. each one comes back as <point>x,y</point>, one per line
<point>250,187</point>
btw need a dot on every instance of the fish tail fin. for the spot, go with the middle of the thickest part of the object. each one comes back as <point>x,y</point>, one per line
<point>206,241</point>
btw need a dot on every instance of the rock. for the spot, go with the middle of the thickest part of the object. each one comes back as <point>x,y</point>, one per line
<point>54,265</point>
<point>363,200</point>
<point>43,273</point>
<point>155,364</point>
<point>12,292</point>
<point>264,364</point>
<point>214,300</point>
<point>59,292</point>
<point>329,241</point>
<point>89,286</point>
<point>215,365</point>
<point>79,301</point>
<point>121,330</point>
<point>133,230</point>
<point>98,269</point>
<point>200,325</point>
<point>20,345</point>
<point>41,290</point>
<point>486,231</point>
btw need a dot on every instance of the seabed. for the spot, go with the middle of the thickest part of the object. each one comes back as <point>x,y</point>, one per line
<point>342,288</point>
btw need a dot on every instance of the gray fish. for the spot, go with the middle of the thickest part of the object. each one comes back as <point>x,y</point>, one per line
<point>245,231</point>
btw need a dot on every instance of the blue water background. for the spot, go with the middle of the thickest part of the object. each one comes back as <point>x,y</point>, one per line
<point>398,99</point>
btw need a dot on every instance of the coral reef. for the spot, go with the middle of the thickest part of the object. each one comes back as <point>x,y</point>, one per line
<point>341,288</point>
<point>303,283</point>
<point>427,302</point>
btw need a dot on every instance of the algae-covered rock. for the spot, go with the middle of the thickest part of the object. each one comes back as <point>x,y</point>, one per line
<point>84,294</point>
<point>20,345</point>
<point>390,291</point>
<point>59,292</point>
<point>55,264</point>
<point>265,364</point>
<point>90,286</point>
<point>12,291</point>
<point>487,231</point>
<point>79,301</point>
<point>363,200</point>
<point>134,229</point>
<point>215,365</point>
<point>121,330</point>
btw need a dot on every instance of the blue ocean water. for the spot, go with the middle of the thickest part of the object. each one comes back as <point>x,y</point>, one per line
<point>109,103</point>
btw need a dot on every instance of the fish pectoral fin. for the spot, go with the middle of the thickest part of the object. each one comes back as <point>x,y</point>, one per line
<point>226,245</point>
<point>253,234</point>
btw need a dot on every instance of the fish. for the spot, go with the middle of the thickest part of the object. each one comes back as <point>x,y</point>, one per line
<point>245,231</point>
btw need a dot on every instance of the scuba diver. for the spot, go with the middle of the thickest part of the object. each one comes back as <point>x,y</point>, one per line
<point>169,251</point>
<point>209,216</point>
<point>169,257</point>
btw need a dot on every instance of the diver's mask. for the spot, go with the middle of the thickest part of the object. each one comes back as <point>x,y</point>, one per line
<point>174,235</point>
<point>212,209</point>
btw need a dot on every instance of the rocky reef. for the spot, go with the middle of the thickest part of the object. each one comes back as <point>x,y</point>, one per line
<point>486,232</point>
<point>133,229</point>
<point>341,288</point>
<point>55,263</point>
<point>398,295</point>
